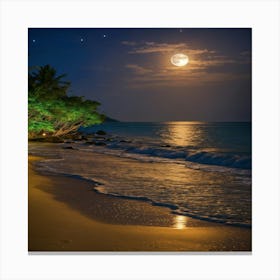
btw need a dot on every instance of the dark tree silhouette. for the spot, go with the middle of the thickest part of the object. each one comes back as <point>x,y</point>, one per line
<point>51,112</point>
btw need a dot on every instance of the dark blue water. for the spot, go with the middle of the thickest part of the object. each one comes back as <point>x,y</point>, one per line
<point>202,170</point>
<point>222,144</point>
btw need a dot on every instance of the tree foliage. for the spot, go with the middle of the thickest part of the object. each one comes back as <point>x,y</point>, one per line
<point>51,111</point>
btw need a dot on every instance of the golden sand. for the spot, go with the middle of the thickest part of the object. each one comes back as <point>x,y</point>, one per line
<point>65,214</point>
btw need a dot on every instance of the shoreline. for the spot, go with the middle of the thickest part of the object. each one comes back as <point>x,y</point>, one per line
<point>64,217</point>
<point>193,220</point>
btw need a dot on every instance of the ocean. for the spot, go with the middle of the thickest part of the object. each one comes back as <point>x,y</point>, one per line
<point>197,169</point>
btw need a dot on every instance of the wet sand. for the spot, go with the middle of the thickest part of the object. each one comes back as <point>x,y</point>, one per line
<point>66,214</point>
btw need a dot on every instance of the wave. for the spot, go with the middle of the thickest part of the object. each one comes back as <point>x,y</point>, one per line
<point>107,186</point>
<point>202,157</point>
<point>176,209</point>
<point>223,159</point>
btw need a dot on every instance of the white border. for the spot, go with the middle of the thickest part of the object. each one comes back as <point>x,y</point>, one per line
<point>262,16</point>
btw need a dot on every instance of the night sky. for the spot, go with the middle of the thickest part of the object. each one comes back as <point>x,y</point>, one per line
<point>129,70</point>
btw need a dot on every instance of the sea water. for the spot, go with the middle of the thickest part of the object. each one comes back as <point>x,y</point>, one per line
<point>197,169</point>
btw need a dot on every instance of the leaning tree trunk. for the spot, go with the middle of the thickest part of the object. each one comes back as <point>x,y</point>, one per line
<point>66,128</point>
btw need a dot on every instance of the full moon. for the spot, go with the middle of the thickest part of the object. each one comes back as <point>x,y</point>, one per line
<point>179,59</point>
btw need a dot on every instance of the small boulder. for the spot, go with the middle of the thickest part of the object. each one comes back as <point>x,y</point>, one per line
<point>100,132</point>
<point>97,143</point>
<point>68,148</point>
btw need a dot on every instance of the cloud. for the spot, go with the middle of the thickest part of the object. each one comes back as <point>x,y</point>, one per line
<point>153,47</point>
<point>129,43</point>
<point>138,69</point>
<point>205,65</point>
<point>167,79</point>
<point>200,58</point>
<point>196,74</point>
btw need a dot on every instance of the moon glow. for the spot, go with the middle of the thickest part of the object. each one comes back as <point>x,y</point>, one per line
<point>179,59</point>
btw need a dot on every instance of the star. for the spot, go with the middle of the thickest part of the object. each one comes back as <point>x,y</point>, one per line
<point>104,36</point>
<point>82,40</point>
<point>181,30</point>
<point>33,40</point>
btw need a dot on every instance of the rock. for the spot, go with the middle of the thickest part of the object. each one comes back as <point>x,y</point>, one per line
<point>89,142</point>
<point>96,143</point>
<point>76,136</point>
<point>99,143</point>
<point>101,138</point>
<point>100,132</point>
<point>53,139</point>
<point>165,145</point>
<point>125,141</point>
<point>68,148</point>
<point>79,138</point>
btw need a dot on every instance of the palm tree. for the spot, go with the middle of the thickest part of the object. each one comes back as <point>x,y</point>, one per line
<point>46,79</point>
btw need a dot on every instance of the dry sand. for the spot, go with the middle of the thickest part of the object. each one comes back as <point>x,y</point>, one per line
<point>65,214</point>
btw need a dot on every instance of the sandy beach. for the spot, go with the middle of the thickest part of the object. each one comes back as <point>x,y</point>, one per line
<point>66,214</point>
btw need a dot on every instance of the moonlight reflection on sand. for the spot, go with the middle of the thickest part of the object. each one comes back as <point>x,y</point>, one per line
<point>180,222</point>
